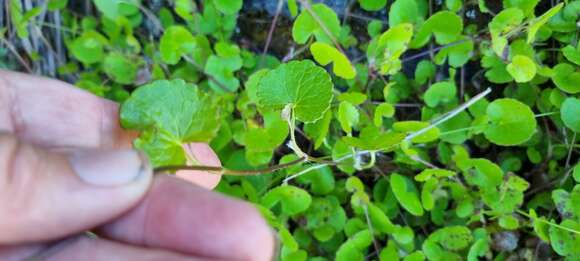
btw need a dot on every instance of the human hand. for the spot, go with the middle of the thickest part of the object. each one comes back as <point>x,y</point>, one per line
<point>66,167</point>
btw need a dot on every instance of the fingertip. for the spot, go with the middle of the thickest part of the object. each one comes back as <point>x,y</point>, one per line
<point>203,153</point>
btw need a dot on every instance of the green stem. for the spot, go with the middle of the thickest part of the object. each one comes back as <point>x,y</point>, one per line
<point>547,222</point>
<point>224,171</point>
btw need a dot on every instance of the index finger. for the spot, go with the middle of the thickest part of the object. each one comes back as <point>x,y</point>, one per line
<point>55,114</point>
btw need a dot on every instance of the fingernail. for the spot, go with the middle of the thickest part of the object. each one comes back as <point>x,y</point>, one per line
<point>109,167</point>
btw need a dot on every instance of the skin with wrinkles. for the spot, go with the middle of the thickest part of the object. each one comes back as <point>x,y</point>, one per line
<point>164,217</point>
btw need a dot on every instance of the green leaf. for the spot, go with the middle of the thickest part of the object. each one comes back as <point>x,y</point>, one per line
<point>509,222</point>
<point>403,11</point>
<point>391,45</point>
<point>427,174</point>
<point>304,86</point>
<point>457,54</point>
<point>440,93</point>
<point>487,175</point>
<point>571,53</point>
<point>228,7</point>
<point>380,220</point>
<point>371,138</point>
<point>425,70</point>
<point>501,25</point>
<point>89,47</point>
<point>511,122</point>
<point>570,113</point>
<point>449,129</point>
<point>305,25</point>
<point>522,68</point>
<point>372,5</point>
<point>326,217</point>
<point>120,68</point>
<point>445,25</point>
<point>54,5</point>
<point>564,242</point>
<point>348,116</point>
<point>407,194</point>
<point>223,67</point>
<point>356,98</point>
<point>527,6</point>
<point>452,238</point>
<point>412,126</point>
<point>536,23</point>
<point>383,110</point>
<point>170,114</point>
<point>176,42</point>
<point>112,9</point>
<point>325,54</point>
<point>496,72</point>
<point>321,180</point>
<point>293,200</point>
<point>566,78</point>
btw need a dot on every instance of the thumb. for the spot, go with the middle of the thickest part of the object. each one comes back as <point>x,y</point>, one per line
<point>46,195</point>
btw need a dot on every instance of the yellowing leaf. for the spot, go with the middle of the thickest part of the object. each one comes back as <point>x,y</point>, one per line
<point>325,54</point>
<point>522,68</point>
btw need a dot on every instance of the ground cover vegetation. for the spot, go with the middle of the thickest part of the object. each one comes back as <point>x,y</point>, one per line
<point>362,130</point>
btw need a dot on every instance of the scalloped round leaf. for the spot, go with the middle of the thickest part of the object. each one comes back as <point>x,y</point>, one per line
<point>570,113</point>
<point>566,78</point>
<point>301,84</point>
<point>511,122</point>
<point>325,54</point>
<point>305,25</point>
<point>440,93</point>
<point>169,114</point>
<point>407,194</point>
<point>293,200</point>
<point>522,68</point>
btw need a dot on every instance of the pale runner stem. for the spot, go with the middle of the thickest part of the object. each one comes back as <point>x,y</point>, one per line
<point>449,115</point>
<point>314,167</point>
